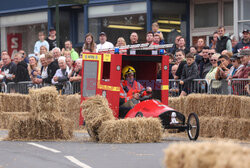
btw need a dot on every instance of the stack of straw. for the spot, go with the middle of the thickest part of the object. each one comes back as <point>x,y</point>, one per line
<point>209,155</point>
<point>103,127</point>
<point>44,121</point>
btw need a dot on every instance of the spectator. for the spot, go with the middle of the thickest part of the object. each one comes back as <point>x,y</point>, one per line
<point>120,42</point>
<point>24,56</point>
<point>61,74</point>
<point>66,54</point>
<point>41,42</point>
<point>211,73</point>
<point>176,45</point>
<point>56,53</point>
<point>193,50</point>
<point>244,42</point>
<point>22,73</point>
<point>155,29</point>
<point>174,89</point>
<point>235,69</point>
<point>200,44</point>
<point>4,52</point>
<point>9,68</point>
<point>68,47</point>
<point>223,68</point>
<point>157,39</point>
<point>89,43</point>
<point>214,40</point>
<point>104,44</point>
<point>52,68</point>
<point>33,69</point>
<point>70,63</point>
<point>76,75</point>
<point>180,61</point>
<point>224,42</point>
<point>44,69</point>
<point>182,45</point>
<point>43,50</point>
<point>245,60</point>
<point>51,39</point>
<point>1,65</point>
<point>190,72</point>
<point>15,59</point>
<point>234,43</point>
<point>211,52</point>
<point>204,65</point>
<point>149,37</point>
<point>134,38</point>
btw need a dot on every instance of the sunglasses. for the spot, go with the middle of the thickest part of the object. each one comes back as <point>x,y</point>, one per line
<point>211,53</point>
<point>213,60</point>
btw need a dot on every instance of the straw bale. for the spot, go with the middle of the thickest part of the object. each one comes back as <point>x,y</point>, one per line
<point>95,111</point>
<point>14,102</point>
<point>32,128</point>
<point>44,102</point>
<point>207,154</point>
<point>131,130</point>
<point>71,108</point>
<point>245,107</point>
<point>223,127</point>
<point>7,117</point>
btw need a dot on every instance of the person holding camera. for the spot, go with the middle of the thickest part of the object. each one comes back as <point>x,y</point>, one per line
<point>223,67</point>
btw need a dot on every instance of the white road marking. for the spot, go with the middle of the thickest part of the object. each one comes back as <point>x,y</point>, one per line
<point>77,162</point>
<point>44,147</point>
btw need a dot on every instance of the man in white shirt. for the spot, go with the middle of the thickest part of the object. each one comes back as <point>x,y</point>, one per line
<point>104,44</point>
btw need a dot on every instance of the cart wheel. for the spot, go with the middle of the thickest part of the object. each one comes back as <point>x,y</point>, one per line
<point>93,134</point>
<point>139,114</point>
<point>193,125</point>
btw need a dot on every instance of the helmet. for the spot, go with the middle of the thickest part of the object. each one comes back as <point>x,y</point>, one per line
<point>127,70</point>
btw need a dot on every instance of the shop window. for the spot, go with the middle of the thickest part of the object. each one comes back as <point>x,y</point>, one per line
<point>228,13</point>
<point>206,15</point>
<point>171,18</point>
<point>244,12</point>
<point>119,26</point>
<point>80,28</point>
<point>27,36</point>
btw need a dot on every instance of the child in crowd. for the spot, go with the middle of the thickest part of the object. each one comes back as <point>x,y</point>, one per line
<point>40,42</point>
<point>190,72</point>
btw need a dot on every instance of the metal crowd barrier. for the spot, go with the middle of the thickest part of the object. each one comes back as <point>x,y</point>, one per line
<point>234,86</point>
<point>23,87</point>
<point>195,86</point>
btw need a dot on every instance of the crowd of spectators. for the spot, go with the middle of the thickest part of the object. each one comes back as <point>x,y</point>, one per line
<point>49,64</point>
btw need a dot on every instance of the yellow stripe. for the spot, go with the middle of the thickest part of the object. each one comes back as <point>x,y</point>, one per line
<point>164,87</point>
<point>93,57</point>
<point>110,88</point>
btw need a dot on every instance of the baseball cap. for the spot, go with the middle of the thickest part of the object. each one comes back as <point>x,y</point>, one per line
<point>245,31</point>
<point>244,52</point>
<point>234,57</point>
<point>51,29</point>
<point>102,33</point>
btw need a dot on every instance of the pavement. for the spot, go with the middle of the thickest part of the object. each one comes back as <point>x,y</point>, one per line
<point>81,153</point>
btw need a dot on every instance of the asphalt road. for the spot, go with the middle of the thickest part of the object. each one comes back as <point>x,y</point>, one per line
<point>85,154</point>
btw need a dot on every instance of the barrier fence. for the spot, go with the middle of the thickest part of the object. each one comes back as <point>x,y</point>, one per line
<point>234,86</point>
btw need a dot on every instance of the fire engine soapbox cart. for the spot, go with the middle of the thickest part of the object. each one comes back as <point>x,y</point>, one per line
<point>102,75</point>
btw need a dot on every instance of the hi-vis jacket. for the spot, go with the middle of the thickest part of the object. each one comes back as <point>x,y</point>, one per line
<point>127,90</point>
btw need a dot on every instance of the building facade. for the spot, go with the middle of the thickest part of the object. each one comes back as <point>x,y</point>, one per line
<point>20,21</point>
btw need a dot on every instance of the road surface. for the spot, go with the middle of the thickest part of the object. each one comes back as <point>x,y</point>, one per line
<point>85,154</point>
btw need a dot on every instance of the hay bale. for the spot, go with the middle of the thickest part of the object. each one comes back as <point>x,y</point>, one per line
<point>131,130</point>
<point>70,106</point>
<point>32,128</point>
<point>245,107</point>
<point>208,155</point>
<point>44,102</point>
<point>95,111</point>
<point>7,117</point>
<point>223,127</point>
<point>14,102</point>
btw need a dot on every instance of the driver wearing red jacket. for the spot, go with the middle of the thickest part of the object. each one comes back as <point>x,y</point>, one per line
<point>130,90</point>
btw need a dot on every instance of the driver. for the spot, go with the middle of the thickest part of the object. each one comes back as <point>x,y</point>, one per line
<point>130,91</point>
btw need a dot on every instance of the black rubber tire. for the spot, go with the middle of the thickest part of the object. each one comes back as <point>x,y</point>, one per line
<point>197,124</point>
<point>139,114</point>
